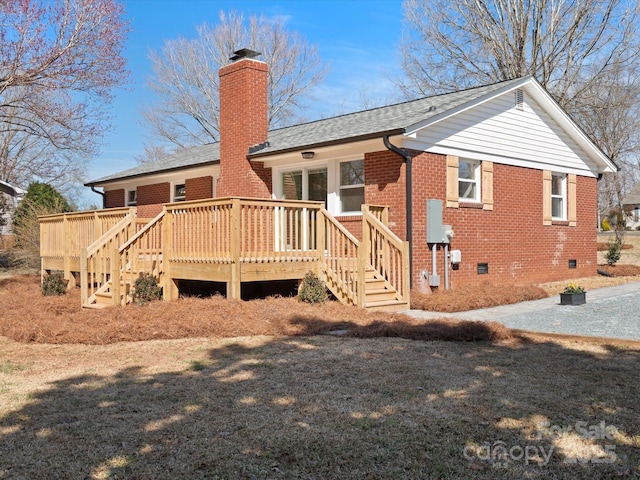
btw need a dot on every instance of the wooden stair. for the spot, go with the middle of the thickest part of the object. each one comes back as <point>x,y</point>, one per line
<point>380,294</point>
<point>103,297</point>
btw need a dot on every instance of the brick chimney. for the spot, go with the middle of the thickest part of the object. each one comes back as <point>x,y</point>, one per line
<point>243,124</point>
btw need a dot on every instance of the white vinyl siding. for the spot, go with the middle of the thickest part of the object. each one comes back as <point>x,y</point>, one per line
<point>496,130</point>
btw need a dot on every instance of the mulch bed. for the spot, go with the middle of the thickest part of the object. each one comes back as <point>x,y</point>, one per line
<point>472,297</point>
<point>620,270</point>
<point>27,316</point>
<point>604,246</point>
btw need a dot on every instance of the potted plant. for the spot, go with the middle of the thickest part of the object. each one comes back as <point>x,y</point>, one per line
<point>573,294</point>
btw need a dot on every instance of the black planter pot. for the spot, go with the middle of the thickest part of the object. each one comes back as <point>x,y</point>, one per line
<point>573,298</point>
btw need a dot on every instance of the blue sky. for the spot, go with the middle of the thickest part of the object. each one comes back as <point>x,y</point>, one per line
<point>358,38</point>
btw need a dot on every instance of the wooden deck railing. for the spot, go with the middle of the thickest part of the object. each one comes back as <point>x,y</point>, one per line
<point>142,253</point>
<point>385,252</point>
<point>63,236</point>
<point>341,262</point>
<point>228,239</point>
<point>66,234</point>
<point>234,230</point>
<point>99,261</point>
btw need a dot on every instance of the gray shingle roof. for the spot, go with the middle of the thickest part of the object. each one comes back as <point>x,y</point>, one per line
<point>368,123</point>
<point>189,157</point>
<point>375,122</point>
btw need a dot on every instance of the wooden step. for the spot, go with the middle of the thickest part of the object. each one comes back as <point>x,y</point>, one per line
<point>104,298</point>
<point>96,306</point>
<point>379,295</point>
<point>386,306</point>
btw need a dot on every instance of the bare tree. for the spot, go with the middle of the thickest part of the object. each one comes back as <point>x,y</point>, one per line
<point>471,42</point>
<point>151,153</point>
<point>611,115</point>
<point>186,76</point>
<point>59,62</point>
<point>586,54</point>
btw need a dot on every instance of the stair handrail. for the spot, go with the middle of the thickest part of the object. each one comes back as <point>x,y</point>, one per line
<point>96,262</point>
<point>149,256</point>
<point>339,263</point>
<point>386,253</point>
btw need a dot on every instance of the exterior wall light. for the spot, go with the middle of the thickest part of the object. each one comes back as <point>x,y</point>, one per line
<point>308,155</point>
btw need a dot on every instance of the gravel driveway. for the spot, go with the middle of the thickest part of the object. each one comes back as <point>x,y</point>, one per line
<point>611,312</point>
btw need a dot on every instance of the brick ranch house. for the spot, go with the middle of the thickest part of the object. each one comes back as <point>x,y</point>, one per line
<point>493,183</point>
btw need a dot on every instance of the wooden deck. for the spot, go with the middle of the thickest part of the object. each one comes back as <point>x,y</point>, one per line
<point>230,240</point>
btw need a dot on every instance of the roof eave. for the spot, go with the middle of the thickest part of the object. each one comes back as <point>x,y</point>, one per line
<point>99,182</point>
<point>297,148</point>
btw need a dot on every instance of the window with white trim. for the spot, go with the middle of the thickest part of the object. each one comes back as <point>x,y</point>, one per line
<point>351,189</point>
<point>469,180</point>
<point>179,192</point>
<point>304,184</point>
<point>558,196</point>
<point>132,198</point>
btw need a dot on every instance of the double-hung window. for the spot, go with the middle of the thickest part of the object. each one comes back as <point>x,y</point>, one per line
<point>304,184</point>
<point>558,196</point>
<point>179,192</point>
<point>132,198</point>
<point>351,186</point>
<point>469,180</point>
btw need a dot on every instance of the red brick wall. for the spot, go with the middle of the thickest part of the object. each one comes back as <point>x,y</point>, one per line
<point>353,223</point>
<point>384,174</point>
<point>114,198</point>
<point>151,198</point>
<point>510,238</point>
<point>199,188</point>
<point>243,123</point>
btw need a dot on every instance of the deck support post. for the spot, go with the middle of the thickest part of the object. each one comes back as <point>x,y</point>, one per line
<point>234,285</point>
<point>84,277</point>
<point>169,285</point>
<point>114,264</point>
<point>321,236</point>
<point>71,280</point>
<point>363,250</point>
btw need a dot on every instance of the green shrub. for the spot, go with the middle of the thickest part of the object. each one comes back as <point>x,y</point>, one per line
<point>312,289</point>
<point>613,254</point>
<point>146,289</point>
<point>54,284</point>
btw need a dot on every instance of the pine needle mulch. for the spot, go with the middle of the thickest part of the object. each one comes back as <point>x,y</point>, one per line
<point>471,297</point>
<point>27,316</point>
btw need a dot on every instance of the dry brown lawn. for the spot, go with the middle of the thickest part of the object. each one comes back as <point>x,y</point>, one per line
<point>258,392</point>
<point>319,407</point>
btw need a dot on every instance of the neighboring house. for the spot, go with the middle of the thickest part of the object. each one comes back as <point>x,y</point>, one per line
<point>13,195</point>
<point>631,204</point>
<point>514,178</point>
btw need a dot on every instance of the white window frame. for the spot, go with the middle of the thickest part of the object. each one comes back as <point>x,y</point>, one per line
<point>561,196</point>
<point>134,202</point>
<point>278,188</point>
<point>477,177</point>
<point>342,188</point>
<point>173,192</point>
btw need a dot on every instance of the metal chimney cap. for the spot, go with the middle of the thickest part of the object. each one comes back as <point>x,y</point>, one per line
<point>244,53</point>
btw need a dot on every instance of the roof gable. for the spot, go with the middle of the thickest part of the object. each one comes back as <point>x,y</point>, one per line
<point>536,133</point>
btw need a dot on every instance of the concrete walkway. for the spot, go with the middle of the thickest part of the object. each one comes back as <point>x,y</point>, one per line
<point>611,312</point>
